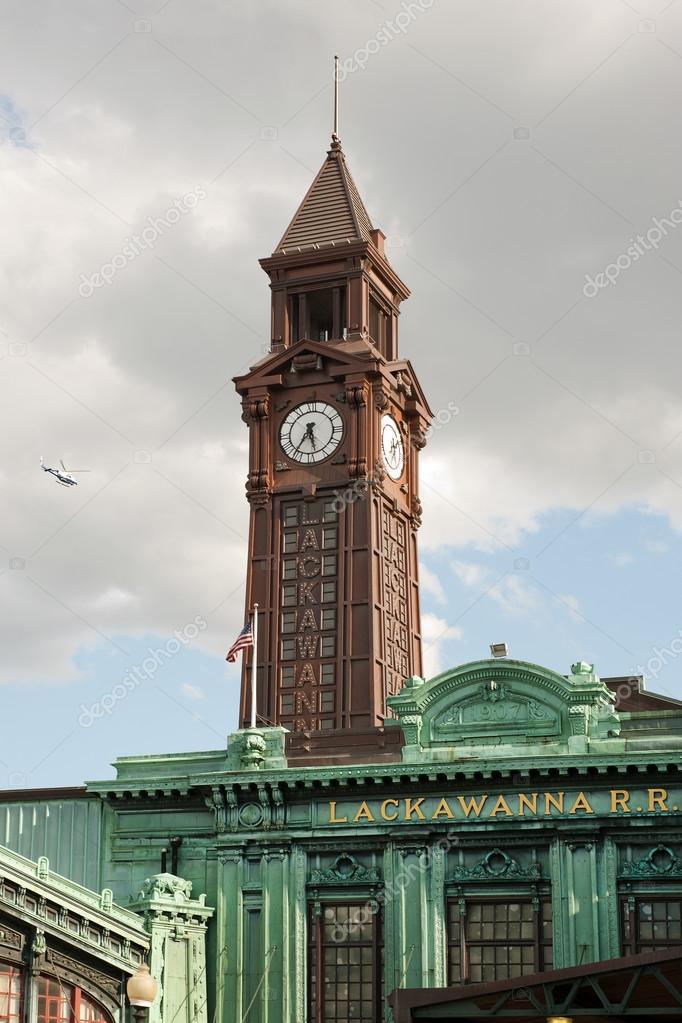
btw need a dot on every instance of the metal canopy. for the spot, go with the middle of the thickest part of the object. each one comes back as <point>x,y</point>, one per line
<point>641,987</point>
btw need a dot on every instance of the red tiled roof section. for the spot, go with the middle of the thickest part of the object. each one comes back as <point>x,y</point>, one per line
<point>332,211</point>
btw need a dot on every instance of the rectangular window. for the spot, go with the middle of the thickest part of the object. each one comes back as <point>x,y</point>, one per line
<point>328,618</point>
<point>288,649</point>
<point>10,994</point>
<point>288,677</point>
<point>291,515</point>
<point>379,329</point>
<point>329,512</point>
<point>329,537</point>
<point>650,925</point>
<point>497,940</point>
<point>328,564</point>
<point>327,674</point>
<point>54,1001</point>
<point>327,646</point>
<point>321,314</point>
<point>374,322</point>
<point>289,595</point>
<point>289,568</point>
<point>344,955</point>
<point>294,328</point>
<point>328,592</point>
<point>288,621</point>
<point>290,541</point>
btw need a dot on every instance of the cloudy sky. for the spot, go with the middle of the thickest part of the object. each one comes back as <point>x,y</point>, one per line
<point>523,158</point>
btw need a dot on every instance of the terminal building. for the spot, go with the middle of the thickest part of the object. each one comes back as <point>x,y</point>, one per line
<point>499,842</point>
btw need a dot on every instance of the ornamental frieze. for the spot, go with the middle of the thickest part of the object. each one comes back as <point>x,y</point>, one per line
<point>10,938</point>
<point>345,870</point>
<point>497,705</point>
<point>497,865</point>
<point>660,861</point>
<point>77,971</point>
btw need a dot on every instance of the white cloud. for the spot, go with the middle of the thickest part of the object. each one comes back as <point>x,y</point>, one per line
<point>621,559</point>
<point>435,632</point>
<point>572,605</point>
<point>470,573</point>
<point>430,584</point>
<point>113,598</point>
<point>192,692</point>
<point>515,595</point>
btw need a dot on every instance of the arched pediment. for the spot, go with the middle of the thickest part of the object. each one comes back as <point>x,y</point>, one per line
<point>511,706</point>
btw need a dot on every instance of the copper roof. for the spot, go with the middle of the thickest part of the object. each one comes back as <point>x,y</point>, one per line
<point>332,212</point>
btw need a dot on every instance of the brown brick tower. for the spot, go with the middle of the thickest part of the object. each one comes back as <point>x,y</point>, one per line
<point>336,422</point>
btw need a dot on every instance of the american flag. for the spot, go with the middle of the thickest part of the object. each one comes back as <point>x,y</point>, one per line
<point>242,642</point>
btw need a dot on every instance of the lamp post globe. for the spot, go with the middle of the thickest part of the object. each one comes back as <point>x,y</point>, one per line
<point>141,987</point>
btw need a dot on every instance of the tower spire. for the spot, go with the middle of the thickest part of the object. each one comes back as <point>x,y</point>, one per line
<point>336,141</point>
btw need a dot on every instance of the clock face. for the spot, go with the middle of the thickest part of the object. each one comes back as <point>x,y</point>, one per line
<point>392,449</point>
<point>311,431</point>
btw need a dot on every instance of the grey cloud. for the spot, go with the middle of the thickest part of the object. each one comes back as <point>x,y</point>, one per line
<point>507,149</point>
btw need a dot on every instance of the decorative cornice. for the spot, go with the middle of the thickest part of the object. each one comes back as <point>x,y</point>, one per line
<point>58,907</point>
<point>320,778</point>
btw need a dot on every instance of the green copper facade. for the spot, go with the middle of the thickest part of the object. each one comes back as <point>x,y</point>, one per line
<point>516,784</point>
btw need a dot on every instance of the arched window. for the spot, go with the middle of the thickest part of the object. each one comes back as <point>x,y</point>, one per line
<point>91,1011</point>
<point>64,1003</point>
<point>11,993</point>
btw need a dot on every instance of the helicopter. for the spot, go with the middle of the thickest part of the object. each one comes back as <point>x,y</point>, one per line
<point>63,476</point>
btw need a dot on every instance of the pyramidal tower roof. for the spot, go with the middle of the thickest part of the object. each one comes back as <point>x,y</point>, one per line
<point>332,212</point>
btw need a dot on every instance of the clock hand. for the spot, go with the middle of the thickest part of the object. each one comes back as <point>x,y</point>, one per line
<point>310,434</point>
<point>298,446</point>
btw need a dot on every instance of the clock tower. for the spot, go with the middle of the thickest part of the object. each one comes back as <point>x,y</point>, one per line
<point>336,422</point>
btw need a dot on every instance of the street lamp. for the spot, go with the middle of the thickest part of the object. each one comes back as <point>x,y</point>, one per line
<point>141,989</point>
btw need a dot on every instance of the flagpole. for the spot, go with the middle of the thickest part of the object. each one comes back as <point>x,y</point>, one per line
<point>335,133</point>
<point>254,658</point>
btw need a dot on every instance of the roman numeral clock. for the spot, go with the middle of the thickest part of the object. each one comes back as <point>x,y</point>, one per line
<point>311,432</point>
<point>336,422</point>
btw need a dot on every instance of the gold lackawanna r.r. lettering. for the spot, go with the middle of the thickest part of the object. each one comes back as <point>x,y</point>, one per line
<point>418,809</point>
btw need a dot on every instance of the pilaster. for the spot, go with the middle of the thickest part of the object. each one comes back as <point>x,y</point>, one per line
<point>578,884</point>
<point>412,952</point>
<point>177,925</point>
